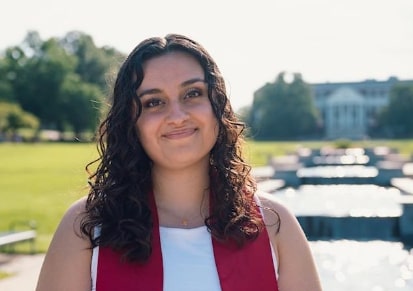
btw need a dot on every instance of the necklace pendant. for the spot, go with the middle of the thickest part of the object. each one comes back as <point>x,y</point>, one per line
<point>184,222</point>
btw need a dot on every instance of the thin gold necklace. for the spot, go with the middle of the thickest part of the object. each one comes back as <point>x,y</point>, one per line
<point>185,221</point>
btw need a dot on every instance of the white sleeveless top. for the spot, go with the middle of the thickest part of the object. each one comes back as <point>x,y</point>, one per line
<point>188,260</point>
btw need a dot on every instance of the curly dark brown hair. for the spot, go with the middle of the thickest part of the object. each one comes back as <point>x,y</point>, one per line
<point>118,199</point>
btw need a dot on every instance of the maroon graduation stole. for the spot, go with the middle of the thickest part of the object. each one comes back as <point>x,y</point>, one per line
<point>243,269</point>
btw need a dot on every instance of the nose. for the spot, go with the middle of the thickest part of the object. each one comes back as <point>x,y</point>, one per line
<point>177,113</point>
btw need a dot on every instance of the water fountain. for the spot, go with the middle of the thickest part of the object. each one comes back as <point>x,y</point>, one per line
<point>346,193</point>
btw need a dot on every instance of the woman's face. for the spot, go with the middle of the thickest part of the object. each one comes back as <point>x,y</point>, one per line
<point>177,127</point>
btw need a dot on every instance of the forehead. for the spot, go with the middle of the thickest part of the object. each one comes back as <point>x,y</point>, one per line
<point>173,66</point>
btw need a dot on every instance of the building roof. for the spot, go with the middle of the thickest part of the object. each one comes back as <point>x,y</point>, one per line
<point>345,95</point>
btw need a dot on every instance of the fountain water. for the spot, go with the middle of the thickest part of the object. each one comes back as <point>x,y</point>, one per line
<point>346,193</point>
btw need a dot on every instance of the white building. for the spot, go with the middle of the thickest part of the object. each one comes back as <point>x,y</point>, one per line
<point>349,109</point>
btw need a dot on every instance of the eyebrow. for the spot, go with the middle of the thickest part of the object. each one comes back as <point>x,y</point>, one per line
<point>183,84</point>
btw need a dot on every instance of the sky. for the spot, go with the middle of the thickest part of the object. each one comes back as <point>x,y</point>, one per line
<point>251,41</point>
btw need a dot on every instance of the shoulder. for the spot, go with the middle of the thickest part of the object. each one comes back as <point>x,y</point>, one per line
<point>75,211</point>
<point>297,270</point>
<point>269,200</point>
<point>69,226</point>
<point>67,262</point>
<point>274,210</point>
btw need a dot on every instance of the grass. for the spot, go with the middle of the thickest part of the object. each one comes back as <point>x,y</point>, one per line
<point>258,153</point>
<point>40,181</point>
<point>4,275</point>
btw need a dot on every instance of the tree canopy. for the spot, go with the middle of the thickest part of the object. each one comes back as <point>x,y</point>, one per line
<point>12,118</point>
<point>60,81</point>
<point>397,117</point>
<point>283,110</point>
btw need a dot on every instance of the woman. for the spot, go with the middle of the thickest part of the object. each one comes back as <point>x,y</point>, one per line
<point>172,204</point>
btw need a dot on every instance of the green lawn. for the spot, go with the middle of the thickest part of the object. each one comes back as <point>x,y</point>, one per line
<point>39,181</point>
<point>257,153</point>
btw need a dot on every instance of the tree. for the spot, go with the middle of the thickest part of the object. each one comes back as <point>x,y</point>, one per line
<point>93,63</point>
<point>6,91</point>
<point>283,110</point>
<point>11,63</point>
<point>13,118</point>
<point>397,117</point>
<point>37,88</point>
<point>82,102</point>
<point>61,81</point>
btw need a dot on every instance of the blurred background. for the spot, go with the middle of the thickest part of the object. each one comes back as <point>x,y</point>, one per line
<point>325,88</point>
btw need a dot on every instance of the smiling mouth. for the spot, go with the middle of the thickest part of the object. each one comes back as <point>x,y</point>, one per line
<point>182,133</point>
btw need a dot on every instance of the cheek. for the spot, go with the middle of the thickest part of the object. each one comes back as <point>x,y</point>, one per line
<point>147,127</point>
<point>211,119</point>
<point>214,130</point>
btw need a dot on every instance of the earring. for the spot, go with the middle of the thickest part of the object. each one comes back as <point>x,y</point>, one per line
<point>211,161</point>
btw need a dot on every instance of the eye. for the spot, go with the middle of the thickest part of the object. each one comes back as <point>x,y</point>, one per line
<point>193,92</point>
<point>151,103</point>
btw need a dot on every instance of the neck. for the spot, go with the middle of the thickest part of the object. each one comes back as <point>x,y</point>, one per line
<point>182,197</point>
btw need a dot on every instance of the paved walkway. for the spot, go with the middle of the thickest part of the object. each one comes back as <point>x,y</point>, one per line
<point>25,270</point>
